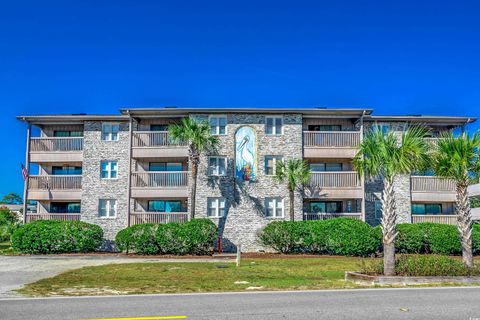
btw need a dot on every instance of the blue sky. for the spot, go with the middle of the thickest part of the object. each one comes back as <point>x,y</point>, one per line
<point>402,57</point>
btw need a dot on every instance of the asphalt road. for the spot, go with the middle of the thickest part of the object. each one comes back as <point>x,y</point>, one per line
<point>414,303</point>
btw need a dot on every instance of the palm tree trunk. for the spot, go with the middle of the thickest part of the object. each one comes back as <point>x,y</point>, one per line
<point>291,195</point>
<point>464,224</point>
<point>193,191</point>
<point>388,224</point>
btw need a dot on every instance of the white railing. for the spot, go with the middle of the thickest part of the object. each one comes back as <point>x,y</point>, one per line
<point>53,216</point>
<point>325,139</point>
<point>435,218</point>
<point>159,179</point>
<point>326,216</point>
<point>158,217</point>
<point>432,184</point>
<point>339,179</point>
<point>67,182</point>
<point>143,139</point>
<point>47,144</point>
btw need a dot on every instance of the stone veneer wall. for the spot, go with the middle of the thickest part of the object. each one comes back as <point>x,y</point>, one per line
<point>245,202</point>
<point>373,189</point>
<point>93,188</point>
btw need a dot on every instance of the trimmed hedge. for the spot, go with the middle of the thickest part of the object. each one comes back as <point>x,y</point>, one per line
<point>52,236</point>
<point>341,236</point>
<point>425,266</point>
<point>195,237</point>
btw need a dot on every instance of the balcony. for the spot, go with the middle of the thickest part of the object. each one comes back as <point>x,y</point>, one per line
<point>326,216</point>
<point>158,217</point>
<point>432,189</point>
<point>160,184</point>
<point>330,144</point>
<point>56,149</point>
<point>151,144</point>
<point>338,185</point>
<point>68,187</point>
<point>435,218</point>
<point>53,216</point>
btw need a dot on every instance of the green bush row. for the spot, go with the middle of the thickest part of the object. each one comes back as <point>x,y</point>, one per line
<point>422,266</point>
<point>350,237</point>
<point>53,236</point>
<point>195,237</point>
<point>341,236</point>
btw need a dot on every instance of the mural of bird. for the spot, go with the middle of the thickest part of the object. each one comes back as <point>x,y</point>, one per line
<point>245,157</point>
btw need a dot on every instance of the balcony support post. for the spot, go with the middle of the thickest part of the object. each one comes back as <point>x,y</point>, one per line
<point>27,167</point>
<point>362,178</point>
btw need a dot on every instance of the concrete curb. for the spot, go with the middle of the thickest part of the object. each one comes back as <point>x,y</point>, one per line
<point>399,280</point>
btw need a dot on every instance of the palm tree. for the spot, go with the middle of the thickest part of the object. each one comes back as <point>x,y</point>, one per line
<point>199,139</point>
<point>295,172</point>
<point>385,155</point>
<point>457,158</point>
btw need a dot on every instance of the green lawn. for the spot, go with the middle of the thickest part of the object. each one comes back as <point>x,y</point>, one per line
<point>254,274</point>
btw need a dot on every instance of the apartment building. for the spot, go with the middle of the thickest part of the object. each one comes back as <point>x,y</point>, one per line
<point>120,170</point>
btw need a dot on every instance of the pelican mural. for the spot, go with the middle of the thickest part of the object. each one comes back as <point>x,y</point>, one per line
<point>245,154</point>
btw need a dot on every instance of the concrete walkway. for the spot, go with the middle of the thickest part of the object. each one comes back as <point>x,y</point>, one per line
<point>16,271</point>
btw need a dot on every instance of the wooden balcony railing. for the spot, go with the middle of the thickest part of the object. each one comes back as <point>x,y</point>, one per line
<point>159,179</point>
<point>67,182</point>
<point>432,184</point>
<point>53,144</point>
<point>52,216</point>
<point>142,139</point>
<point>435,218</point>
<point>339,179</point>
<point>158,217</point>
<point>326,216</point>
<point>326,139</point>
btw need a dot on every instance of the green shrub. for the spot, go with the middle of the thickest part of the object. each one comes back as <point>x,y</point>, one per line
<point>340,236</point>
<point>51,236</point>
<point>8,223</point>
<point>424,265</point>
<point>411,238</point>
<point>140,238</point>
<point>283,236</point>
<point>476,238</point>
<point>193,237</point>
<point>442,238</point>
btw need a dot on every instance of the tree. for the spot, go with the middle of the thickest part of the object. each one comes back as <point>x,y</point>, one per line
<point>457,158</point>
<point>296,173</point>
<point>12,198</point>
<point>384,155</point>
<point>197,136</point>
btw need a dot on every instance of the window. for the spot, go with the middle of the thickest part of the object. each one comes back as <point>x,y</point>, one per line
<point>218,125</point>
<point>319,127</point>
<point>216,207</point>
<point>107,208</point>
<point>273,125</point>
<point>326,206</point>
<point>274,207</point>
<point>271,164</point>
<point>65,207</point>
<point>109,170</point>
<point>165,166</point>
<point>66,133</point>
<point>329,166</point>
<point>110,131</point>
<point>378,209</point>
<point>217,166</point>
<point>426,208</point>
<point>66,170</point>
<point>385,128</point>
<point>159,127</point>
<point>165,206</point>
